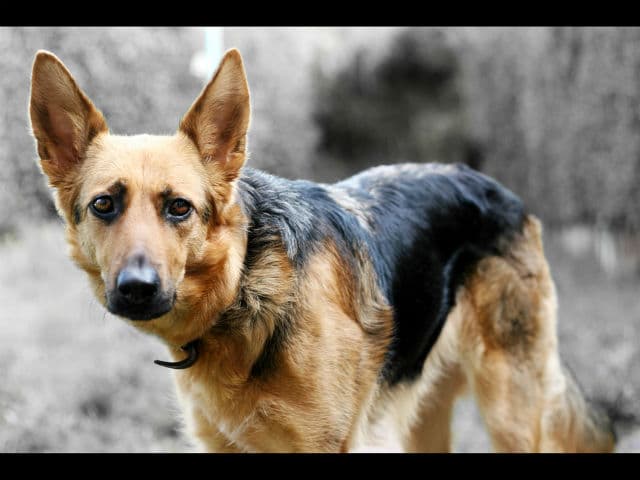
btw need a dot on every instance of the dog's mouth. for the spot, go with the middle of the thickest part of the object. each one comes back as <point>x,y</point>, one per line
<point>138,309</point>
<point>153,307</point>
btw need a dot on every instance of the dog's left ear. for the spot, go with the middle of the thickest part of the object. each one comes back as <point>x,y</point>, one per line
<point>218,120</point>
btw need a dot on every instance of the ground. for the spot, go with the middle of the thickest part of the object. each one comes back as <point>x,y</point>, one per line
<point>75,379</point>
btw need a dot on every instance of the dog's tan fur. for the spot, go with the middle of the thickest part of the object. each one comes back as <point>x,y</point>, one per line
<point>499,340</point>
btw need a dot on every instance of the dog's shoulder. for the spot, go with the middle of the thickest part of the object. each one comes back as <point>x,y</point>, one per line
<point>298,214</point>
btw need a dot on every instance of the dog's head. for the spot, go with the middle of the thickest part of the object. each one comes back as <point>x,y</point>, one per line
<point>149,217</point>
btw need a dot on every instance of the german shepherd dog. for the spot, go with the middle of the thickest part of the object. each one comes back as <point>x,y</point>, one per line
<point>313,317</point>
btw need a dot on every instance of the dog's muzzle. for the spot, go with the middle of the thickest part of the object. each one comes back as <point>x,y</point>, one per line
<point>137,293</point>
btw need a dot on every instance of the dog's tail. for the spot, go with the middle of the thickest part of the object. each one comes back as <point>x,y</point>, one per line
<point>621,407</point>
<point>583,425</point>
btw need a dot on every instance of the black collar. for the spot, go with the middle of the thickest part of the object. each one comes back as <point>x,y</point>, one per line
<point>192,350</point>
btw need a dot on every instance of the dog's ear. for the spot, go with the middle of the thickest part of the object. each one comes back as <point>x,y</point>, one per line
<point>218,120</point>
<point>63,119</point>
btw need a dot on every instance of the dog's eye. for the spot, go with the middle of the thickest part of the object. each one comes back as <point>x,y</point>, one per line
<point>103,206</point>
<point>179,208</point>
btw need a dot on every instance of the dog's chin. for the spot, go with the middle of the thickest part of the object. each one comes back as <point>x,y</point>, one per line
<point>140,313</point>
<point>142,316</point>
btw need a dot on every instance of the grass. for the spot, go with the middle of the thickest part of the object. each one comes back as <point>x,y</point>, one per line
<point>75,379</point>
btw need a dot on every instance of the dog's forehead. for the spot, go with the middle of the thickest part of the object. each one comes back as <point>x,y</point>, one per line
<point>144,162</point>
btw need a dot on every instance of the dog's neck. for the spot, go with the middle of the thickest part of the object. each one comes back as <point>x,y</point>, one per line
<point>246,300</point>
<point>235,346</point>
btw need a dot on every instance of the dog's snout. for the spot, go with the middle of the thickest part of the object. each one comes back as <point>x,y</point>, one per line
<point>138,282</point>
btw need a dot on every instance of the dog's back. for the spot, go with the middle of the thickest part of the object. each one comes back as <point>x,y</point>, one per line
<point>430,224</point>
<point>422,226</point>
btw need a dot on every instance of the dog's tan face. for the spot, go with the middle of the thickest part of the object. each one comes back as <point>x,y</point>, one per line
<point>148,217</point>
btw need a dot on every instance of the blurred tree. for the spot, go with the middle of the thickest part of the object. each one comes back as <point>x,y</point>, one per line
<point>554,113</point>
<point>404,105</point>
<point>557,111</point>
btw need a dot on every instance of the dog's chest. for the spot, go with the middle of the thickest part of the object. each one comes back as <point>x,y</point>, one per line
<point>224,419</point>
<point>213,415</point>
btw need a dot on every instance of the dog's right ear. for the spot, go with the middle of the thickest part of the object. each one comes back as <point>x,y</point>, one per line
<point>63,119</point>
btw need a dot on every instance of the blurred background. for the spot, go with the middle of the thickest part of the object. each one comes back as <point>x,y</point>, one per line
<point>553,113</point>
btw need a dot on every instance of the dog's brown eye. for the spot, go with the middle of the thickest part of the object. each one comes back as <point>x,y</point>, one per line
<point>103,205</point>
<point>179,208</point>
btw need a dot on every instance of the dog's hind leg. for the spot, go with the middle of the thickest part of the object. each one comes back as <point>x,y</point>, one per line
<point>441,382</point>
<point>431,431</point>
<point>527,400</point>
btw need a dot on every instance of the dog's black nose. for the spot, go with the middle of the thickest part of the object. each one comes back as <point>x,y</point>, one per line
<point>138,282</point>
<point>138,293</point>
